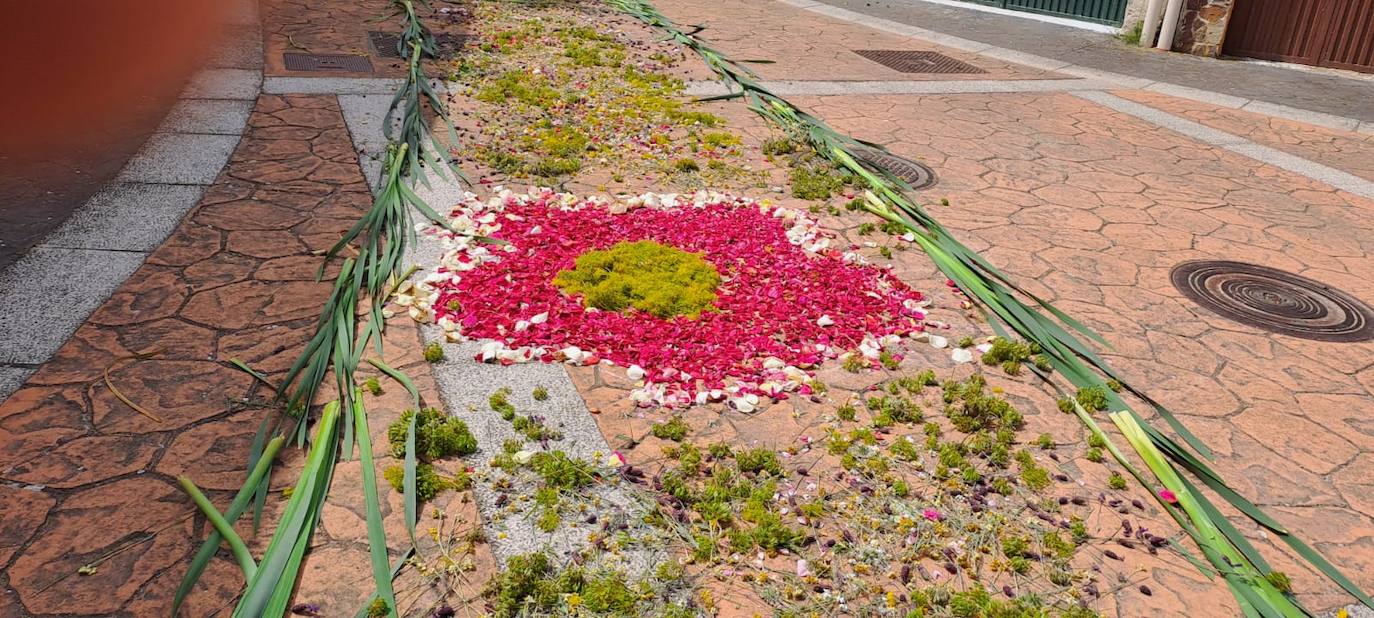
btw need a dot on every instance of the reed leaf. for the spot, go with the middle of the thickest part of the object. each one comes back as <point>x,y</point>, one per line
<point>379,239</point>
<point>256,478</point>
<point>280,562</point>
<point>376,534</point>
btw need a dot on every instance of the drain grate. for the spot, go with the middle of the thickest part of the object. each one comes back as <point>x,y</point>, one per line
<point>915,174</point>
<point>384,43</point>
<point>326,62</point>
<point>918,61</point>
<point>1274,300</point>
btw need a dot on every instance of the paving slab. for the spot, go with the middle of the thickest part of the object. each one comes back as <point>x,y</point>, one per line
<point>127,217</point>
<point>180,158</point>
<point>11,378</point>
<point>49,292</point>
<point>212,116</point>
<point>240,84</point>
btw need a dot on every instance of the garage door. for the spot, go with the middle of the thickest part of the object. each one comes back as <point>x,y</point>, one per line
<point>1329,33</point>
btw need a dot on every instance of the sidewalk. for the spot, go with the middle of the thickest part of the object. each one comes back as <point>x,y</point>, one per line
<point>1083,190</point>
<point>1302,89</point>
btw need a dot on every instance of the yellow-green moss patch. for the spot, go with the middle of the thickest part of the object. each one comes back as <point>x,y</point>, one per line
<point>657,279</point>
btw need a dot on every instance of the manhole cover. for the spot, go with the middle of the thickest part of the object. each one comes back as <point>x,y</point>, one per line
<point>918,61</point>
<point>1275,300</point>
<point>915,174</point>
<point>327,62</point>
<point>384,44</point>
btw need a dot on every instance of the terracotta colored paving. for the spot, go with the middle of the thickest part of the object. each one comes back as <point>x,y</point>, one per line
<point>1343,150</point>
<point>802,44</point>
<point>90,481</point>
<point>298,26</point>
<point>1090,209</point>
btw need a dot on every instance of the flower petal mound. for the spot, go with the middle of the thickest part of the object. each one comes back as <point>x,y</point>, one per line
<point>778,302</point>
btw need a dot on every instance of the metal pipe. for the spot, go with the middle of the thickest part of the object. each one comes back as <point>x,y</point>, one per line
<point>1166,33</point>
<point>1151,23</point>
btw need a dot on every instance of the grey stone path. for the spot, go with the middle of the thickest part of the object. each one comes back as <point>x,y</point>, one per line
<point>465,384</point>
<point>1251,81</point>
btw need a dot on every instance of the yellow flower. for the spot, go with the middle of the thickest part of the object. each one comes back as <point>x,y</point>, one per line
<point>574,600</point>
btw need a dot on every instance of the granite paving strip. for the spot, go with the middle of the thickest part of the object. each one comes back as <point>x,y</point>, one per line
<point>90,478</point>
<point>1344,150</point>
<point>1316,171</point>
<point>464,385</point>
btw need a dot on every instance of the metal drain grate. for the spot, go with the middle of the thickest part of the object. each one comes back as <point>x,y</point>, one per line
<point>918,61</point>
<point>384,43</point>
<point>1274,300</point>
<point>327,62</point>
<point>915,174</point>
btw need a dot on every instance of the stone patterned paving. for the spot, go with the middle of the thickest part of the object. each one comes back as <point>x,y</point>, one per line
<point>805,45</point>
<point>1343,150</point>
<point>307,27</point>
<point>1091,208</point>
<point>87,480</point>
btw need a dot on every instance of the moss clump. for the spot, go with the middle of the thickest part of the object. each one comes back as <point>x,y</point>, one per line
<point>813,183</point>
<point>1093,398</point>
<point>437,435</point>
<point>758,460</point>
<point>530,585</point>
<point>1035,477</point>
<point>971,409</point>
<point>552,167</point>
<point>434,352</point>
<point>779,146</point>
<point>1279,580</point>
<point>561,471</point>
<point>654,278</point>
<point>686,166</point>
<point>674,429</point>
<point>428,482</point>
<point>1116,481</point>
<point>1011,354</point>
<point>540,393</point>
<point>499,402</point>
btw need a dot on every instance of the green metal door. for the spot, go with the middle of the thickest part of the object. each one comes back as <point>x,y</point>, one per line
<point>1098,11</point>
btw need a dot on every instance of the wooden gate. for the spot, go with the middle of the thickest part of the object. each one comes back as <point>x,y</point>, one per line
<point>1329,33</point>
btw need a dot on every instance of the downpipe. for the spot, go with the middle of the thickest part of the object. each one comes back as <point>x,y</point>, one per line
<point>1150,25</point>
<point>1166,34</point>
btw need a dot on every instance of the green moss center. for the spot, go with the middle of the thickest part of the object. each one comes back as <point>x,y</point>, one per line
<point>654,278</point>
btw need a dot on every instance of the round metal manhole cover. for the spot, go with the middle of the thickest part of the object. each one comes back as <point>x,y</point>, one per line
<point>1274,300</point>
<point>915,174</point>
